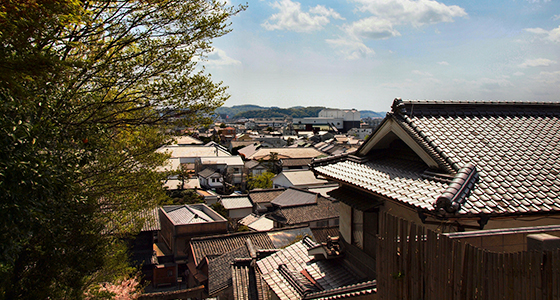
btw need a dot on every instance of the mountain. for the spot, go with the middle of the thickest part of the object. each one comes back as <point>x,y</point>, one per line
<point>256,111</point>
<point>236,109</point>
<point>372,114</point>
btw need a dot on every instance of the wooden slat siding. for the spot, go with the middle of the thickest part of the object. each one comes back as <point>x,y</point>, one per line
<point>401,261</point>
<point>437,267</point>
<point>556,274</point>
<point>492,272</point>
<point>410,276</point>
<point>457,265</point>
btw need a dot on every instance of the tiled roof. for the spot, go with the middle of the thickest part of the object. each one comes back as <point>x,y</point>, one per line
<point>247,282</point>
<point>290,271</point>
<point>295,197</point>
<point>321,234</point>
<point>265,196</point>
<point>281,238</point>
<point>294,162</point>
<point>349,291</point>
<point>300,177</point>
<point>217,245</point>
<point>207,172</point>
<point>236,202</point>
<point>249,150</point>
<point>219,269</point>
<point>193,151</point>
<point>287,153</point>
<point>513,148</point>
<point>151,219</point>
<point>261,224</point>
<point>323,209</point>
<point>252,164</point>
<point>184,214</point>
<point>248,219</point>
<point>187,140</point>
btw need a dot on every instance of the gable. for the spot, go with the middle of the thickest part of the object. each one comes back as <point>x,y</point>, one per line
<point>386,135</point>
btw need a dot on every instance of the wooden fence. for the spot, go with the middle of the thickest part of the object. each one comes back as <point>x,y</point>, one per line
<point>416,263</point>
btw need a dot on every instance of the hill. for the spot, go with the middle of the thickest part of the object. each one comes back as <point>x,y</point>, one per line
<point>256,111</point>
<point>372,114</point>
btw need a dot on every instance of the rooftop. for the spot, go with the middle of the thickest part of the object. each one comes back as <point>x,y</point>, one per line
<point>193,151</point>
<point>265,195</point>
<point>295,197</point>
<point>190,214</point>
<point>286,153</point>
<point>460,158</point>
<point>236,202</point>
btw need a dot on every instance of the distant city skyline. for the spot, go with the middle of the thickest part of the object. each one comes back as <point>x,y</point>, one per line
<point>364,53</point>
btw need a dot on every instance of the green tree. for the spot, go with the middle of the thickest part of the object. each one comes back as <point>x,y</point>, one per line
<point>88,90</point>
<point>263,181</point>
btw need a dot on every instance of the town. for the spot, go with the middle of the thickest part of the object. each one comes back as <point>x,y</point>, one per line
<point>412,210</point>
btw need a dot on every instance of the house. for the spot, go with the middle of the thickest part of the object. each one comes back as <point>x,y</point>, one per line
<point>227,134</point>
<point>142,245</point>
<point>262,198</point>
<point>301,271</point>
<point>257,223</point>
<point>238,206</point>
<point>173,183</point>
<point>231,167</point>
<point>284,153</point>
<point>254,168</point>
<point>297,207</point>
<point>211,178</point>
<point>248,150</point>
<point>210,197</point>
<point>235,145</point>
<point>295,163</point>
<point>297,178</point>
<point>452,166</point>
<point>179,223</point>
<point>185,140</point>
<point>211,257</point>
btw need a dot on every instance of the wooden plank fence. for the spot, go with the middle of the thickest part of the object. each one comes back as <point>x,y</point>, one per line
<point>414,262</point>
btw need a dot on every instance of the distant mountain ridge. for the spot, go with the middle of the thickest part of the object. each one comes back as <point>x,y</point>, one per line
<point>256,111</point>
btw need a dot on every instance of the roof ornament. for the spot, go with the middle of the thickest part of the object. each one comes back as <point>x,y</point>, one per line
<point>398,106</point>
<point>458,189</point>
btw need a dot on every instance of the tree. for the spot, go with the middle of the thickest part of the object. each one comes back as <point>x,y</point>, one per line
<point>88,90</point>
<point>263,181</point>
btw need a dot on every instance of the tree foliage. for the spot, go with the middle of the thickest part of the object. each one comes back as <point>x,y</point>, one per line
<point>88,90</point>
<point>275,112</point>
<point>263,181</point>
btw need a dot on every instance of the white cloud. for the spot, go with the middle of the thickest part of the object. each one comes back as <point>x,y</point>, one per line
<point>418,72</point>
<point>386,15</point>
<point>518,74</point>
<point>556,18</point>
<point>549,78</point>
<point>372,28</point>
<point>550,35</point>
<point>443,63</point>
<point>351,48</point>
<point>292,18</point>
<point>219,57</point>
<point>539,62</point>
<point>419,12</point>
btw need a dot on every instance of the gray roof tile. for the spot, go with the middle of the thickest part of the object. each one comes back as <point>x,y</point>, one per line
<point>515,147</point>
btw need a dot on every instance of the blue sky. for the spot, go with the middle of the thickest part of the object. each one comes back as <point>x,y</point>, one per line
<point>364,53</point>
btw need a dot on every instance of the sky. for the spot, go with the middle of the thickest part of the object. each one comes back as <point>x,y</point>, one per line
<point>364,53</point>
